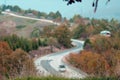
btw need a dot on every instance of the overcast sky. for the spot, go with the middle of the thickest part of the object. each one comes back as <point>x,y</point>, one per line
<point>111,10</point>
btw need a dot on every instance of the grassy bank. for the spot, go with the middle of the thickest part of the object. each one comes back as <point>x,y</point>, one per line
<point>62,78</point>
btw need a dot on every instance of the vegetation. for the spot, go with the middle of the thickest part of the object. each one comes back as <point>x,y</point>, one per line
<point>100,57</point>
<point>80,32</point>
<point>60,34</point>
<point>48,31</point>
<point>35,33</point>
<point>88,28</point>
<point>14,63</point>
<point>27,45</point>
<point>63,35</point>
<point>62,78</point>
<point>52,42</point>
<point>101,54</point>
<point>56,16</point>
<point>20,26</point>
<point>89,62</point>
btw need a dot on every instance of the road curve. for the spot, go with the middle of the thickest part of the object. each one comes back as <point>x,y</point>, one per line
<point>51,62</point>
<point>49,68</point>
<point>48,65</point>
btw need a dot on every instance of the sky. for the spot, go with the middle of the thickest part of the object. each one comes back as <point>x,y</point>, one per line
<point>85,9</point>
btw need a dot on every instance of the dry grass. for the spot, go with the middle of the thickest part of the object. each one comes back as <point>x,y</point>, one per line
<point>25,31</point>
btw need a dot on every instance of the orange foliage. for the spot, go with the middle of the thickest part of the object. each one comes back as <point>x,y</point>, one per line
<point>92,63</point>
<point>63,35</point>
<point>4,52</point>
<point>14,63</point>
<point>4,48</point>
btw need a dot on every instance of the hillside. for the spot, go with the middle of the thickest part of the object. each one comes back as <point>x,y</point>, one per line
<point>19,26</point>
<point>28,37</point>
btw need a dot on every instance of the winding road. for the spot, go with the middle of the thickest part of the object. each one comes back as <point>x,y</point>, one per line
<point>49,64</point>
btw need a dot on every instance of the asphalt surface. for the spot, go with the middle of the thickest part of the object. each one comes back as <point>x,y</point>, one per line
<point>51,62</point>
<point>49,68</point>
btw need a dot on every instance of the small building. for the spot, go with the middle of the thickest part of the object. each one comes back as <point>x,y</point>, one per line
<point>7,10</point>
<point>106,33</point>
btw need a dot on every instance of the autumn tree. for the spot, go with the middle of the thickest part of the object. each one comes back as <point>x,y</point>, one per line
<point>22,64</point>
<point>100,44</point>
<point>63,35</point>
<point>15,63</point>
<point>107,47</point>
<point>112,57</point>
<point>52,42</point>
<point>18,64</point>
<point>48,31</point>
<point>80,32</point>
<point>4,52</point>
<point>91,63</point>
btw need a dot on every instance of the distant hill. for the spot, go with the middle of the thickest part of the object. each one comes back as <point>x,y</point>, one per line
<point>55,16</point>
<point>21,27</point>
<point>24,27</point>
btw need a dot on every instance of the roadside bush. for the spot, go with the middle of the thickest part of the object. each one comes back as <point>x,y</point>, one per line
<point>61,78</point>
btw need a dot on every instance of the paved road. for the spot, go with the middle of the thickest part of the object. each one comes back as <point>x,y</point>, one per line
<point>43,20</point>
<point>50,63</point>
<point>49,68</point>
